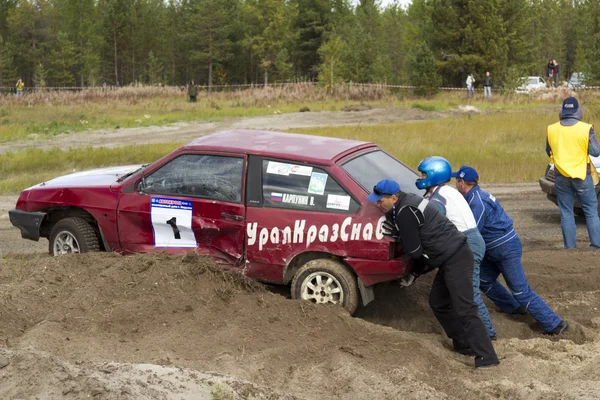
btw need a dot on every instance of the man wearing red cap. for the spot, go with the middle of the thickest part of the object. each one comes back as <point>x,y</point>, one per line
<point>569,144</point>
<point>433,242</point>
<point>503,254</point>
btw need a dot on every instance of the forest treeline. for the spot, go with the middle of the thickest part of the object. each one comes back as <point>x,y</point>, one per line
<point>428,44</point>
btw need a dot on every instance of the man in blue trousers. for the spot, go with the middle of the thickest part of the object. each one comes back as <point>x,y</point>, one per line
<point>503,253</point>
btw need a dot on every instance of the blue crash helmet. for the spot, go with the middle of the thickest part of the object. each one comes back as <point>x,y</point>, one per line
<point>437,169</point>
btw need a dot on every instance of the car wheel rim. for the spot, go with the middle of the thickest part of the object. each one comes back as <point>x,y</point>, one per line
<point>65,243</point>
<point>321,288</point>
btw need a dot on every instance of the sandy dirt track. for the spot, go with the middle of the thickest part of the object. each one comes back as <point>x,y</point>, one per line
<point>105,326</point>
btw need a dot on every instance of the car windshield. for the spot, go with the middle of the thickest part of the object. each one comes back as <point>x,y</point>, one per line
<point>368,169</point>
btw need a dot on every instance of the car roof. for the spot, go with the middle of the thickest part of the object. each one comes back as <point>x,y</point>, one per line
<point>294,146</point>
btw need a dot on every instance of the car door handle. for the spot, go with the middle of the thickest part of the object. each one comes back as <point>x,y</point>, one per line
<point>234,217</point>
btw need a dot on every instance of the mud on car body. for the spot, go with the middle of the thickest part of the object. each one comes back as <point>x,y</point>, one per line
<point>547,185</point>
<point>281,208</point>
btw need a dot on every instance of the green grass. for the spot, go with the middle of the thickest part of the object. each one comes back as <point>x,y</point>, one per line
<point>503,147</point>
<point>45,115</point>
<point>26,168</point>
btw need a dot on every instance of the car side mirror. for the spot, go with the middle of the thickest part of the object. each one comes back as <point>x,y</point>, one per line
<point>141,185</point>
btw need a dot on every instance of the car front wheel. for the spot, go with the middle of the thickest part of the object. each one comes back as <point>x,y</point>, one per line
<point>73,235</point>
<point>325,281</point>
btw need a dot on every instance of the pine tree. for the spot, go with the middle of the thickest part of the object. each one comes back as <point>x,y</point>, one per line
<point>311,24</point>
<point>329,70</point>
<point>394,26</point>
<point>155,69</point>
<point>39,76</point>
<point>423,71</point>
<point>207,29</point>
<point>8,70</point>
<point>29,27</point>
<point>273,22</point>
<point>61,62</point>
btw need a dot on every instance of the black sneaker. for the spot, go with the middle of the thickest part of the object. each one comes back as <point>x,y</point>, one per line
<point>522,310</point>
<point>480,363</point>
<point>563,327</point>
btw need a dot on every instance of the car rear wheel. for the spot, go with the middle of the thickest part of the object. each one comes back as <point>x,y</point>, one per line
<point>73,235</point>
<point>326,281</point>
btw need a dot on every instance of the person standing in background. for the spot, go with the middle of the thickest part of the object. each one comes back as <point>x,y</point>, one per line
<point>556,72</point>
<point>192,91</point>
<point>20,85</point>
<point>487,86</point>
<point>569,144</point>
<point>470,88</point>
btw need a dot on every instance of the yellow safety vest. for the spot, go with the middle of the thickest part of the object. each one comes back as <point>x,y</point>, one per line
<point>569,148</point>
<point>20,86</point>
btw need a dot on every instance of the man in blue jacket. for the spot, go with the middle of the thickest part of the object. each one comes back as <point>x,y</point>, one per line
<point>503,254</point>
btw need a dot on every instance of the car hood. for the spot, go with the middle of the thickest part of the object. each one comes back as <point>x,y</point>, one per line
<point>93,178</point>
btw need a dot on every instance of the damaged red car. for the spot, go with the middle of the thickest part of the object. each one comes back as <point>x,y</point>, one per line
<point>280,208</point>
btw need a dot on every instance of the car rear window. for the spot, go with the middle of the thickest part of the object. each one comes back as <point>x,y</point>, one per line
<point>303,187</point>
<point>368,169</point>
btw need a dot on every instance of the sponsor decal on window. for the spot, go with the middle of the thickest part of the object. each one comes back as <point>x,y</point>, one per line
<point>300,170</point>
<point>285,169</point>
<point>278,168</point>
<point>317,183</point>
<point>300,233</point>
<point>338,202</point>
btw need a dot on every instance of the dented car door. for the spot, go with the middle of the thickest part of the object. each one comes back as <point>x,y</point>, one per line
<point>193,201</point>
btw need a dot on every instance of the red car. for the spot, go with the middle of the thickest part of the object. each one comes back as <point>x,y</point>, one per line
<point>282,208</point>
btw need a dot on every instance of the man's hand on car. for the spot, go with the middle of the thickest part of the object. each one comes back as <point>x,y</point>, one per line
<point>408,280</point>
<point>389,229</point>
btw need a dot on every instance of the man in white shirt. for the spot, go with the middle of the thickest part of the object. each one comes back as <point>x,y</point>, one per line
<point>435,172</point>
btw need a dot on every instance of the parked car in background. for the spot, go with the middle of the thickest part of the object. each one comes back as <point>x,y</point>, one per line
<point>531,83</point>
<point>576,81</point>
<point>547,185</point>
<point>279,207</point>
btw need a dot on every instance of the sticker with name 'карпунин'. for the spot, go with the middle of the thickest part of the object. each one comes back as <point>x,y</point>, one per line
<point>172,222</point>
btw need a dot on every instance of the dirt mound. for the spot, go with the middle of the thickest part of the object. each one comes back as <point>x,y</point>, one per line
<point>65,321</point>
<point>116,381</point>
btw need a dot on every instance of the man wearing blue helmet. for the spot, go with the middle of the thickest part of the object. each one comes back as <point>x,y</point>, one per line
<point>433,242</point>
<point>435,172</point>
<point>503,252</point>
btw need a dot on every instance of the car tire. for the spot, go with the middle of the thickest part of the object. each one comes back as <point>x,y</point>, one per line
<point>73,235</point>
<point>326,281</point>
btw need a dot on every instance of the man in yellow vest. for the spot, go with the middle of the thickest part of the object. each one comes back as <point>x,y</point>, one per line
<point>570,143</point>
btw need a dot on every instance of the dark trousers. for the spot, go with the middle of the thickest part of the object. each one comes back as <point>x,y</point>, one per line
<point>451,299</point>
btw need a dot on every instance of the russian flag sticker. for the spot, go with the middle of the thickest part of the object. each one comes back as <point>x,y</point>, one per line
<point>276,197</point>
